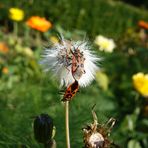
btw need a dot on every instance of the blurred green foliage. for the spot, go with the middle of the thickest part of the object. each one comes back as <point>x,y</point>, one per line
<point>26,91</point>
<point>95,16</point>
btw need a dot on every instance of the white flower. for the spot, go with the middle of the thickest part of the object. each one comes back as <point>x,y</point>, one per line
<point>104,43</point>
<point>70,61</point>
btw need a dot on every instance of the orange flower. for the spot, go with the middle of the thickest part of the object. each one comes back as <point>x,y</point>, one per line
<point>39,23</point>
<point>3,47</point>
<point>143,24</point>
<point>5,70</point>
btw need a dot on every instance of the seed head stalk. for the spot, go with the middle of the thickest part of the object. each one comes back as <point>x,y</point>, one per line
<point>67,124</point>
<point>74,64</point>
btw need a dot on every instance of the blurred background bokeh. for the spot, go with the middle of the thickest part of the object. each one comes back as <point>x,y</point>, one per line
<point>117,31</point>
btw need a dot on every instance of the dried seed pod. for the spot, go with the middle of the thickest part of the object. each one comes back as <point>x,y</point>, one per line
<point>96,135</point>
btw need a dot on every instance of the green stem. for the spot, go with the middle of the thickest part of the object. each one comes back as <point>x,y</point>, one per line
<point>15,29</point>
<point>27,35</point>
<point>67,123</point>
<point>38,38</point>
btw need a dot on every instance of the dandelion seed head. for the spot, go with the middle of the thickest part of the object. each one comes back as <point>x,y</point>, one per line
<point>70,61</point>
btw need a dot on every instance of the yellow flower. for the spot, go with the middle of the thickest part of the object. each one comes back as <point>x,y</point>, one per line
<point>140,82</point>
<point>54,39</point>
<point>16,14</point>
<point>28,52</point>
<point>104,43</point>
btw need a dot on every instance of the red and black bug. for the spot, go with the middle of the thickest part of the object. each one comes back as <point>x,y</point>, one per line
<point>71,91</point>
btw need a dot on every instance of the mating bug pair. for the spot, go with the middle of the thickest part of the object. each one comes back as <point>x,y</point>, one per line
<point>77,69</point>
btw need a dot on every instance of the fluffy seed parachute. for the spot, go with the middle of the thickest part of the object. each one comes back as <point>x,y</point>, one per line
<point>70,61</point>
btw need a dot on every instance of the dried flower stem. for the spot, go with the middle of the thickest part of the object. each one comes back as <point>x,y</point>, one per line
<point>67,123</point>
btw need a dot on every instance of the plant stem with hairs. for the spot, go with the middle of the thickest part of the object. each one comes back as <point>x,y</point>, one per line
<point>67,123</point>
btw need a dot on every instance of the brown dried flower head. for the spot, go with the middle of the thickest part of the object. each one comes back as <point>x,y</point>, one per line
<point>97,135</point>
